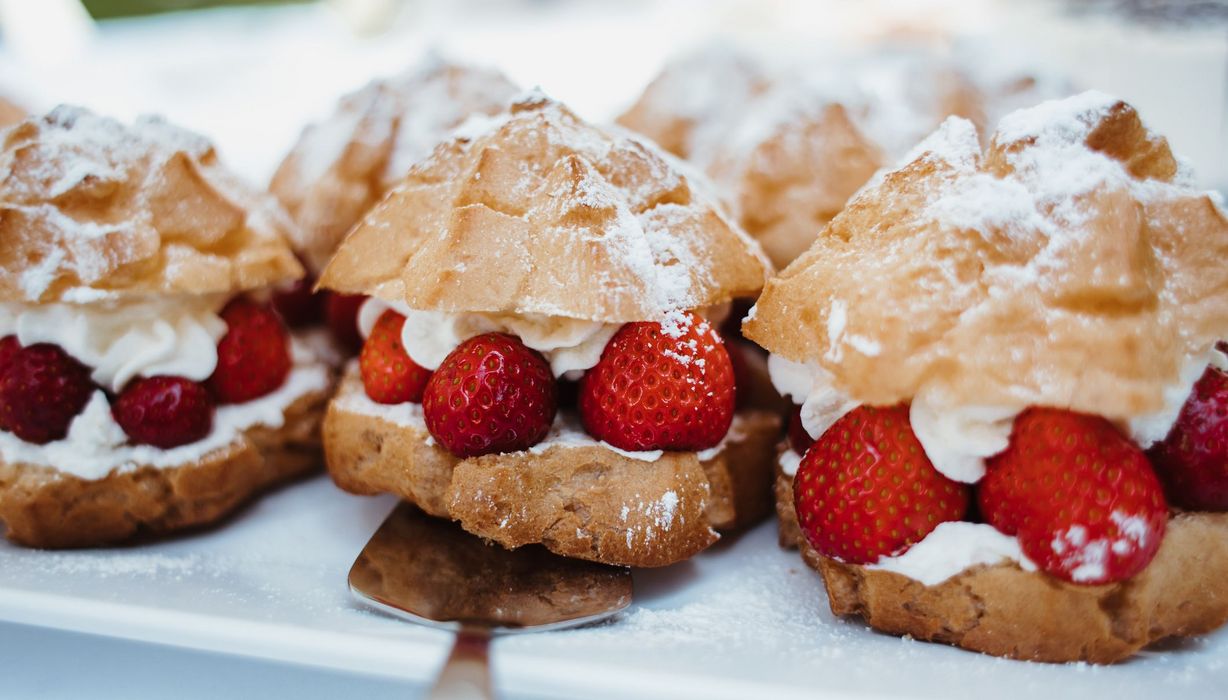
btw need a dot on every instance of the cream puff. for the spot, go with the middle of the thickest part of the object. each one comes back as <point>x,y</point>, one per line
<point>542,362</point>
<point>1009,435</point>
<point>787,143</point>
<point>143,387</point>
<point>342,166</point>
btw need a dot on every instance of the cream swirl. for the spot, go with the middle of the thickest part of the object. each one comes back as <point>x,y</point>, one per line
<point>958,439</point>
<point>570,345</point>
<point>123,340</point>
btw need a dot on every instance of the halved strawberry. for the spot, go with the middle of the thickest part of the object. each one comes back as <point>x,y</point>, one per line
<point>799,439</point>
<point>389,375</point>
<point>660,387</point>
<point>341,313</point>
<point>491,394</point>
<point>1082,499</point>
<point>253,358</point>
<point>865,489</point>
<point>1193,460</point>
<point>42,388</point>
<point>297,305</point>
<point>164,411</point>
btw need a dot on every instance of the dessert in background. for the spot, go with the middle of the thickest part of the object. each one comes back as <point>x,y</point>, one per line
<point>342,166</point>
<point>144,387</point>
<point>1010,433</point>
<point>10,113</point>
<point>789,140</point>
<point>542,362</point>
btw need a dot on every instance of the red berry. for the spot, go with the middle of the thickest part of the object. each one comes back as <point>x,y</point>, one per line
<point>1193,460</point>
<point>253,358</point>
<point>8,347</point>
<point>865,488</point>
<point>42,389</point>
<point>341,312</point>
<point>799,439</point>
<point>491,394</point>
<point>388,373</point>
<point>297,304</point>
<point>164,411</point>
<point>660,388</point>
<point>1082,499</point>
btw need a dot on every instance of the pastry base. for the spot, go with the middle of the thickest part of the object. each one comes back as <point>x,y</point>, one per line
<point>583,501</point>
<point>46,508</point>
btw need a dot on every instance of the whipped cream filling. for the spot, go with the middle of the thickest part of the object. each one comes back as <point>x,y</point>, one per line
<point>958,439</point>
<point>947,551</point>
<point>569,345</point>
<point>97,446</point>
<point>952,548</point>
<point>566,431</point>
<point>812,386</point>
<point>122,340</point>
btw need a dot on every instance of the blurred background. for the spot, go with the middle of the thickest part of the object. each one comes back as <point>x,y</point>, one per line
<point>251,74</point>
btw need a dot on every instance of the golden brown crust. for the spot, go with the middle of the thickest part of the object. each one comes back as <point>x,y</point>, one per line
<point>340,168</point>
<point>46,508</point>
<point>1006,611</point>
<point>579,501</point>
<point>543,213</point>
<point>1052,274</point>
<point>92,209</point>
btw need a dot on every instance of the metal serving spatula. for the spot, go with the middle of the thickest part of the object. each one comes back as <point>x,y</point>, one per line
<point>432,572</point>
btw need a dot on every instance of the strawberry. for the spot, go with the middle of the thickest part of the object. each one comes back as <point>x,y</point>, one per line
<point>1082,499</point>
<point>491,394</point>
<point>341,313</point>
<point>660,387</point>
<point>865,488</point>
<point>799,439</point>
<point>1192,461</point>
<point>42,388</point>
<point>253,358</point>
<point>388,373</point>
<point>8,347</point>
<point>164,411</point>
<point>297,305</point>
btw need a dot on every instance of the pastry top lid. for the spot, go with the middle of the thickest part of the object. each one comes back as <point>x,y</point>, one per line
<point>341,166</point>
<point>93,210</point>
<point>1069,264</point>
<point>536,211</point>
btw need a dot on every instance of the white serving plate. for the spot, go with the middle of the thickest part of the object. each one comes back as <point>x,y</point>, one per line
<point>743,620</point>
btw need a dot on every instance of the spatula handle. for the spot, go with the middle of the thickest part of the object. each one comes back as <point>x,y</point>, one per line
<point>466,673</point>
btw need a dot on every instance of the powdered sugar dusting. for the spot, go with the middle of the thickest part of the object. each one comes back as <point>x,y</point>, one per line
<point>87,198</point>
<point>602,204</point>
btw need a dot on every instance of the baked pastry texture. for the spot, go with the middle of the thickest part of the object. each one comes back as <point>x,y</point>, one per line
<point>342,166</point>
<point>111,231</point>
<point>1069,264</point>
<point>789,145</point>
<point>538,218</point>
